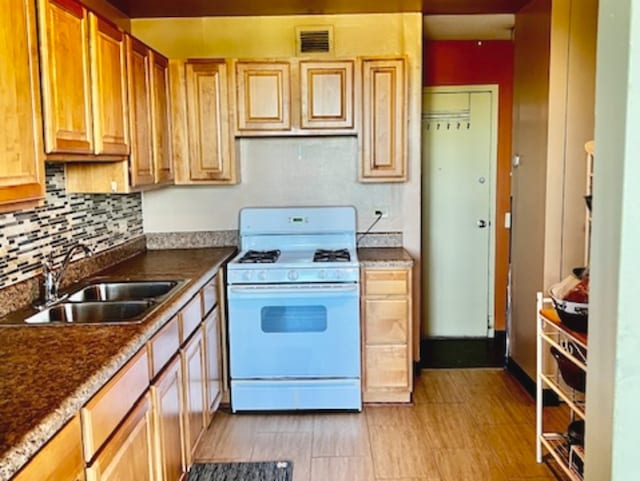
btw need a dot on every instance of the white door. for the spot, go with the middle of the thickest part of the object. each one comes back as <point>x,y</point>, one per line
<point>459,144</point>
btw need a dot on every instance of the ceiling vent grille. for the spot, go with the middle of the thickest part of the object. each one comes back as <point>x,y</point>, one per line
<point>314,40</point>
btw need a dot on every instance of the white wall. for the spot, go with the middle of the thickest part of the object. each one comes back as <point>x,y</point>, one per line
<point>278,171</point>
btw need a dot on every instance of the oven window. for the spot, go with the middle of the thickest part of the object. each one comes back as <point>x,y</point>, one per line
<point>293,319</point>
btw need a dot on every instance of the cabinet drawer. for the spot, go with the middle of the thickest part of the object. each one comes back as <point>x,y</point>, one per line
<point>110,405</point>
<point>163,346</point>
<point>190,318</point>
<point>386,282</point>
<point>386,367</point>
<point>60,459</point>
<point>209,295</point>
<point>386,321</point>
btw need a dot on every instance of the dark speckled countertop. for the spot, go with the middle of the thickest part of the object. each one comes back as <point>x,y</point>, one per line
<point>384,257</point>
<point>47,373</point>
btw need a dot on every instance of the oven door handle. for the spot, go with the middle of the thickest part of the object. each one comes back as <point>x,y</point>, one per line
<point>303,290</point>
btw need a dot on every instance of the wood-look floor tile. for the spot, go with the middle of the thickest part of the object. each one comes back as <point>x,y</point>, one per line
<point>379,415</point>
<point>430,478</point>
<point>401,451</point>
<point>494,409</point>
<point>230,438</point>
<point>439,386</point>
<point>294,447</point>
<point>469,465</point>
<point>340,435</point>
<point>537,478</point>
<point>342,469</point>
<point>514,446</point>
<point>285,423</point>
<point>449,426</point>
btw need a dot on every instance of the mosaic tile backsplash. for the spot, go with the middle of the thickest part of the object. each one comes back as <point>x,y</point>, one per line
<point>100,221</point>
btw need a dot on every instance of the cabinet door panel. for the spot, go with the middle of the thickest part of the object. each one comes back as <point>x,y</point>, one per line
<point>139,81</point>
<point>208,120</point>
<point>22,165</point>
<point>66,91</point>
<point>129,453</point>
<point>213,358</point>
<point>167,401</point>
<point>384,118</point>
<point>194,390</point>
<point>264,98</point>
<point>326,95</point>
<point>161,126</point>
<point>109,92</point>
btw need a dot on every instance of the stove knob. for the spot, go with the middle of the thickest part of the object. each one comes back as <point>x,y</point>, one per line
<point>262,275</point>
<point>293,275</point>
<point>322,274</point>
<point>247,275</point>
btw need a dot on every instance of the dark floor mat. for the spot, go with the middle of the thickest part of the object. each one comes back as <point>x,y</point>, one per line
<point>262,471</point>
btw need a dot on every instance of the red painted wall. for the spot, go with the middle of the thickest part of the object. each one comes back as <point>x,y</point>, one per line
<point>462,62</point>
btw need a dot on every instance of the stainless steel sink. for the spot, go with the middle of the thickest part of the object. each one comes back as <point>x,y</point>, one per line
<point>123,291</point>
<point>101,301</point>
<point>93,312</point>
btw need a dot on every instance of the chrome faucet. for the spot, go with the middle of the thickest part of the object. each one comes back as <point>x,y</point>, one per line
<point>53,277</point>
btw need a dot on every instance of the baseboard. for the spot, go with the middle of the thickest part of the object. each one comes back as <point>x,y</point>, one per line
<point>549,397</point>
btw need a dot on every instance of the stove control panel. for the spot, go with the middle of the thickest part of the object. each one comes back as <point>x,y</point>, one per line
<point>251,275</point>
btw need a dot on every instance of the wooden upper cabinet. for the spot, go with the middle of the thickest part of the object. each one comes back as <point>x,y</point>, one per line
<point>384,120</point>
<point>263,95</point>
<point>66,91</point>
<point>22,165</point>
<point>326,94</point>
<point>161,127</point>
<point>109,88</point>
<point>202,145</point>
<point>139,84</point>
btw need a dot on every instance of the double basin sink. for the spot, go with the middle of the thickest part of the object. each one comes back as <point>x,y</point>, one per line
<point>107,302</point>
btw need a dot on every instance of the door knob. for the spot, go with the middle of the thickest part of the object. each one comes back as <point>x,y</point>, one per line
<point>482,224</point>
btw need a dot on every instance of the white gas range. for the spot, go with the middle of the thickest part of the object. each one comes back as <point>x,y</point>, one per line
<point>294,319</point>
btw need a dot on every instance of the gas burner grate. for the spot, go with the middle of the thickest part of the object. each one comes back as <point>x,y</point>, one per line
<point>326,255</point>
<point>260,257</point>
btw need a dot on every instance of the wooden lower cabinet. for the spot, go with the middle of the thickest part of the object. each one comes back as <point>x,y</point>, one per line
<point>213,361</point>
<point>129,453</point>
<point>386,335</point>
<point>166,393</point>
<point>193,370</point>
<point>60,459</point>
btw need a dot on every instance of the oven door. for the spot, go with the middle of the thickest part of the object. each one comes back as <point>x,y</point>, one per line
<point>294,331</point>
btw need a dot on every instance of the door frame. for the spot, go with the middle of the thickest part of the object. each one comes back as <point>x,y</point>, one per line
<point>493,89</point>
